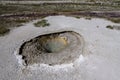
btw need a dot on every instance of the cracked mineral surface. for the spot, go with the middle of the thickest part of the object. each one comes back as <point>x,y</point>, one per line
<point>53,48</point>
<point>101,43</point>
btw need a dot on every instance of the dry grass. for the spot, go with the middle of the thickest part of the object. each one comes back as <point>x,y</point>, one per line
<point>7,24</point>
<point>115,20</point>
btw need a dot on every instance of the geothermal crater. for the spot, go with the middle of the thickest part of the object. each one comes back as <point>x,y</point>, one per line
<point>52,49</point>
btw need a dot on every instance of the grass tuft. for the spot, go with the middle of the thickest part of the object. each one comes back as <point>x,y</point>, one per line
<point>88,18</point>
<point>42,23</point>
<point>7,24</point>
<point>3,30</point>
<point>109,26</point>
<point>78,17</point>
<point>115,20</point>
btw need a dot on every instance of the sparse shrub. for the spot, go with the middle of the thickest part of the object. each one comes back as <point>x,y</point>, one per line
<point>115,20</point>
<point>42,23</point>
<point>3,30</point>
<point>78,17</point>
<point>88,18</point>
<point>21,20</point>
<point>109,26</point>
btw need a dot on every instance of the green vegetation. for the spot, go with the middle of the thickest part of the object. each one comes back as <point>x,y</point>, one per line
<point>16,8</point>
<point>3,30</point>
<point>88,18</point>
<point>78,17</point>
<point>7,24</point>
<point>110,27</point>
<point>115,20</point>
<point>42,23</point>
<point>21,21</point>
<point>22,8</point>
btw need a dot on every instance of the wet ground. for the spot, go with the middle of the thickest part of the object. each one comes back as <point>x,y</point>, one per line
<point>52,49</point>
<point>102,49</point>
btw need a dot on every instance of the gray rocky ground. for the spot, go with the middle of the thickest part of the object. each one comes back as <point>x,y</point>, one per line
<point>102,49</point>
